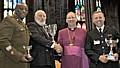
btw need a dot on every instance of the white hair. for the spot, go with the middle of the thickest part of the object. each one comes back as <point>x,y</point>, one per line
<point>39,11</point>
<point>36,17</point>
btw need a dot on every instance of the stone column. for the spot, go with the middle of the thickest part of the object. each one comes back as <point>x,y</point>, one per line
<point>89,8</point>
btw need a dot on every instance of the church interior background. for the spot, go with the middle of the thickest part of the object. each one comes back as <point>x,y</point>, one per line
<point>56,11</point>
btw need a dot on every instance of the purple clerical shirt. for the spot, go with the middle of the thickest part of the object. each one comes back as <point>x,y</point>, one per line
<point>73,56</point>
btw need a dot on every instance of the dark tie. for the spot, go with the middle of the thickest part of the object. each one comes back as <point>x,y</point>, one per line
<point>100,30</point>
<point>45,32</point>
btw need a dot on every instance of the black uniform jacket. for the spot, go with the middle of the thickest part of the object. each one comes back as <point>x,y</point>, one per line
<point>96,46</point>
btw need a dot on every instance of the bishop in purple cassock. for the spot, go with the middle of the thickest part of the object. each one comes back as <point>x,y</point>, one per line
<point>73,41</point>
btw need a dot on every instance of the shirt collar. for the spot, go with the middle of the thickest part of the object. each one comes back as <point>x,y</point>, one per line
<point>72,29</point>
<point>102,28</point>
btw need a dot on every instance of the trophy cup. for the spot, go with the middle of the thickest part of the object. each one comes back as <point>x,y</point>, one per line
<point>28,51</point>
<point>111,43</point>
<point>52,30</point>
<point>27,48</point>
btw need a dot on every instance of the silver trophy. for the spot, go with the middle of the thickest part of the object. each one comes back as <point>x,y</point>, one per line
<point>52,30</point>
<point>28,51</point>
<point>111,43</point>
<point>27,48</point>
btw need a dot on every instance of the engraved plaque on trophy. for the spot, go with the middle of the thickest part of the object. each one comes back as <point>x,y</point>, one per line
<point>111,43</point>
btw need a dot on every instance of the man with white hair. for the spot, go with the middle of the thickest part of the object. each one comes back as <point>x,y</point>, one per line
<point>40,17</point>
<point>41,42</point>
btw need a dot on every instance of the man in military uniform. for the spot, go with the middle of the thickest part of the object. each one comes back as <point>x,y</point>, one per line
<point>97,47</point>
<point>14,37</point>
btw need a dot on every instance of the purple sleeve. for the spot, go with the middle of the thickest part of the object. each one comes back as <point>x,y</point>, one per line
<point>60,39</point>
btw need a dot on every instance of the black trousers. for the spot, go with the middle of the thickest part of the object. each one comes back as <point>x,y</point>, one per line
<point>41,67</point>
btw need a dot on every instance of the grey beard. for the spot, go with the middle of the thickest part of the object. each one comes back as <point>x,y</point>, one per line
<point>41,23</point>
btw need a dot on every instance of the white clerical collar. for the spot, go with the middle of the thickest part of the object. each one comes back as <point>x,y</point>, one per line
<point>102,28</point>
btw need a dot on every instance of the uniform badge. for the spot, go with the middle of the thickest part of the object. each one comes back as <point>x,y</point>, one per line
<point>96,42</point>
<point>8,48</point>
<point>21,29</point>
<point>12,52</point>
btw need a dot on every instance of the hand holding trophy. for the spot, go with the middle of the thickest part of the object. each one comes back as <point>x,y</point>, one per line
<point>58,48</point>
<point>112,43</point>
<point>52,31</point>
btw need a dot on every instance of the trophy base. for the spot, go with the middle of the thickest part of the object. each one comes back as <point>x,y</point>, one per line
<point>29,57</point>
<point>112,58</point>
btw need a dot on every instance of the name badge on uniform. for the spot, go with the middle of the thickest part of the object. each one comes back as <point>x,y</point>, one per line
<point>96,42</point>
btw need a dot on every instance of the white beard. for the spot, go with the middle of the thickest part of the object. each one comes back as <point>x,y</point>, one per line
<point>41,23</point>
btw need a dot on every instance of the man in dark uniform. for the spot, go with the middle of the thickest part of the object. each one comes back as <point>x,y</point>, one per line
<point>96,45</point>
<point>14,37</point>
<point>41,42</point>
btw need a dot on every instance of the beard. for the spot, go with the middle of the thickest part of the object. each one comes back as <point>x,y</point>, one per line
<point>40,23</point>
